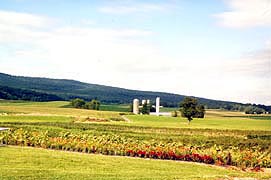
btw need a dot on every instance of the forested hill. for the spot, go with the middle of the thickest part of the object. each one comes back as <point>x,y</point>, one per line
<point>22,94</point>
<point>44,89</point>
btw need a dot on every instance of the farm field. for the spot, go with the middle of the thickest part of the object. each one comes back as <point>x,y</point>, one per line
<point>52,125</point>
<point>209,122</point>
<point>33,163</point>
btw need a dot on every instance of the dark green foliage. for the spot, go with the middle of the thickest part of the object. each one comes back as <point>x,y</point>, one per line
<point>190,109</point>
<point>200,111</point>
<point>21,94</point>
<point>234,107</point>
<point>254,110</point>
<point>261,106</point>
<point>145,108</point>
<point>93,104</point>
<point>78,103</point>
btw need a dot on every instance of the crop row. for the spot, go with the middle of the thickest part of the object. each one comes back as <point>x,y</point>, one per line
<point>123,146</point>
<point>196,137</point>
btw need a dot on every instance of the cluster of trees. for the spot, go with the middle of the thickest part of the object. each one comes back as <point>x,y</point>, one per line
<point>190,109</point>
<point>254,110</point>
<point>248,108</point>
<point>234,107</point>
<point>80,103</point>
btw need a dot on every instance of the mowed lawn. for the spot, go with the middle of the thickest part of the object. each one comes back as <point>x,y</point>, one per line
<point>32,163</point>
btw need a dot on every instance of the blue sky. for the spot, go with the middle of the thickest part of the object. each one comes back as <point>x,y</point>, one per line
<point>215,49</point>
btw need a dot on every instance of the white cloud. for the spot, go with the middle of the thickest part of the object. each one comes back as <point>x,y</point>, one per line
<point>244,79</point>
<point>255,65</point>
<point>90,51</point>
<point>10,18</point>
<point>22,27</point>
<point>87,22</point>
<point>127,8</point>
<point>246,14</point>
<point>125,58</point>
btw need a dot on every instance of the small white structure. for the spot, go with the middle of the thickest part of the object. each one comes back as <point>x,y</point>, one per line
<point>161,114</point>
<point>136,106</point>
<point>157,106</point>
<point>144,101</point>
<point>3,129</point>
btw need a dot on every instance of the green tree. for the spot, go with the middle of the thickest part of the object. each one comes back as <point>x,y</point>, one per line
<point>93,104</point>
<point>190,109</point>
<point>145,108</point>
<point>78,103</point>
<point>254,110</point>
<point>200,111</point>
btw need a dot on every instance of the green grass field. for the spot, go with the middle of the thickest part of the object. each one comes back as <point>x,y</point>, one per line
<point>215,119</point>
<point>51,109</point>
<point>238,123</point>
<point>228,131</point>
<point>31,163</point>
<point>119,108</point>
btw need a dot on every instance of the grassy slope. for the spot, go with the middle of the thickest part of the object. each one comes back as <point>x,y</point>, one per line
<point>30,163</point>
<point>52,109</point>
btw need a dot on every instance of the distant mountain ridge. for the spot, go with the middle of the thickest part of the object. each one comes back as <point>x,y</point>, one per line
<point>63,89</point>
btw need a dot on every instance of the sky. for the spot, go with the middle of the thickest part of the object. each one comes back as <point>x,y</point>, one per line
<point>217,49</point>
